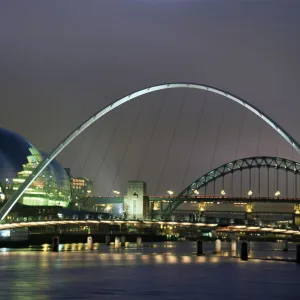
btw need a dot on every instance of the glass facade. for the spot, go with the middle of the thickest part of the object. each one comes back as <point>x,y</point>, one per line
<point>51,188</point>
<point>18,158</point>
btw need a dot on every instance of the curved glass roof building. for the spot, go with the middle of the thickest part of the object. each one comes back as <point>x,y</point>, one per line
<point>18,158</point>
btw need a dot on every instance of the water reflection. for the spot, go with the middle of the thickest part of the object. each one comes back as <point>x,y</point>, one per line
<point>78,273</point>
<point>257,250</point>
<point>186,259</point>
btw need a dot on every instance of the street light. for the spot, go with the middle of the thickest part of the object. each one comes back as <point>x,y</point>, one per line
<point>196,192</point>
<point>277,194</point>
<point>108,208</point>
<point>78,205</point>
<point>223,193</point>
<point>116,192</point>
<point>170,192</point>
<point>250,193</point>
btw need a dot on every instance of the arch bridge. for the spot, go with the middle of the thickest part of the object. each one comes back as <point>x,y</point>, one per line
<point>249,163</point>
<point>98,115</point>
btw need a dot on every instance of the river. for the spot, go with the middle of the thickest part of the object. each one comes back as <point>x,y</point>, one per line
<point>157,271</point>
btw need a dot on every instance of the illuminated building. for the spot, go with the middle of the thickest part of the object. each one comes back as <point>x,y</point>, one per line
<point>81,187</point>
<point>18,158</point>
<point>2,195</point>
<point>135,204</point>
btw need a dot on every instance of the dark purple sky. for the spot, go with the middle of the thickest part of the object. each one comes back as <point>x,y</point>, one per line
<point>60,61</point>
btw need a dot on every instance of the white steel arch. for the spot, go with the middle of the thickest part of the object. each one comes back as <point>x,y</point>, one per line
<point>18,194</point>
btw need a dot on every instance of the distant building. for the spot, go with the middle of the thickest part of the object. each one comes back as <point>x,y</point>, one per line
<point>136,205</point>
<point>81,187</point>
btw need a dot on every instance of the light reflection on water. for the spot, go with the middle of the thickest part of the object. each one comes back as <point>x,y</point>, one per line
<point>164,271</point>
<point>257,249</point>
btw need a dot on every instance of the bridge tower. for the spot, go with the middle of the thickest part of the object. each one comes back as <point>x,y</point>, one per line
<point>136,205</point>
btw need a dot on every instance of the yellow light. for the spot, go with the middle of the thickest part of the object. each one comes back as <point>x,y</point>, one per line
<point>250,193</point>
<point>277,193</point>
<point>249,208</point>
<point>108,207</point>
<point>196,192</point>
<point>223,193</point>
<point>170,192</point>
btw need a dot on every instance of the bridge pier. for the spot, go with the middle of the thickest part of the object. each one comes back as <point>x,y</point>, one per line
<point>296,215</point>
<point>161,205</point>
<point>248,213</point>
<point>202,209</point>
<point>151,209</point>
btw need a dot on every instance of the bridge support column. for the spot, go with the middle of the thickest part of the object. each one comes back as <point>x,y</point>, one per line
<point>248,213</point>
<point>151,209</point>
<point>107,240</point>
<point>199,247</point>
<point>139,242</point>
<point>90,243</point>
<point>244,251</point>
<point>55,244</point>
<point>296,215</point>
<point>202,209</point>
<point>117,243</point>
<point>161,205</point>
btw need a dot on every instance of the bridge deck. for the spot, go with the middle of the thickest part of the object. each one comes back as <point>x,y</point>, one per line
<point>147,223</point>
<point>214,199</point>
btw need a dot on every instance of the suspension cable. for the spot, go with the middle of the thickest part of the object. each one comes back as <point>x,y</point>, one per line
<point>216,144</point>
<point>126,148</point>
<point>259,137</point>
<point>218,136</point>
<point>244,115</point>
<point>78,152</point>
<point>257,154</point>
<point>294,181</point>
<point>240,133</point>
<point>274,181</point>
<point>109,144</point>
<point>276,178</point>
<point>151,138</point>
<point>277,145</point>
<point>90,153</point>
<point>170,145</point>
<point>194,141</point>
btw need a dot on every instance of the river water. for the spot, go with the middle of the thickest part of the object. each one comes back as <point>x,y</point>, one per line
<point>157,271</point>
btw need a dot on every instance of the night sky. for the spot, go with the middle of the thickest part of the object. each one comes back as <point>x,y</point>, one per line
<point>61,61</point>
